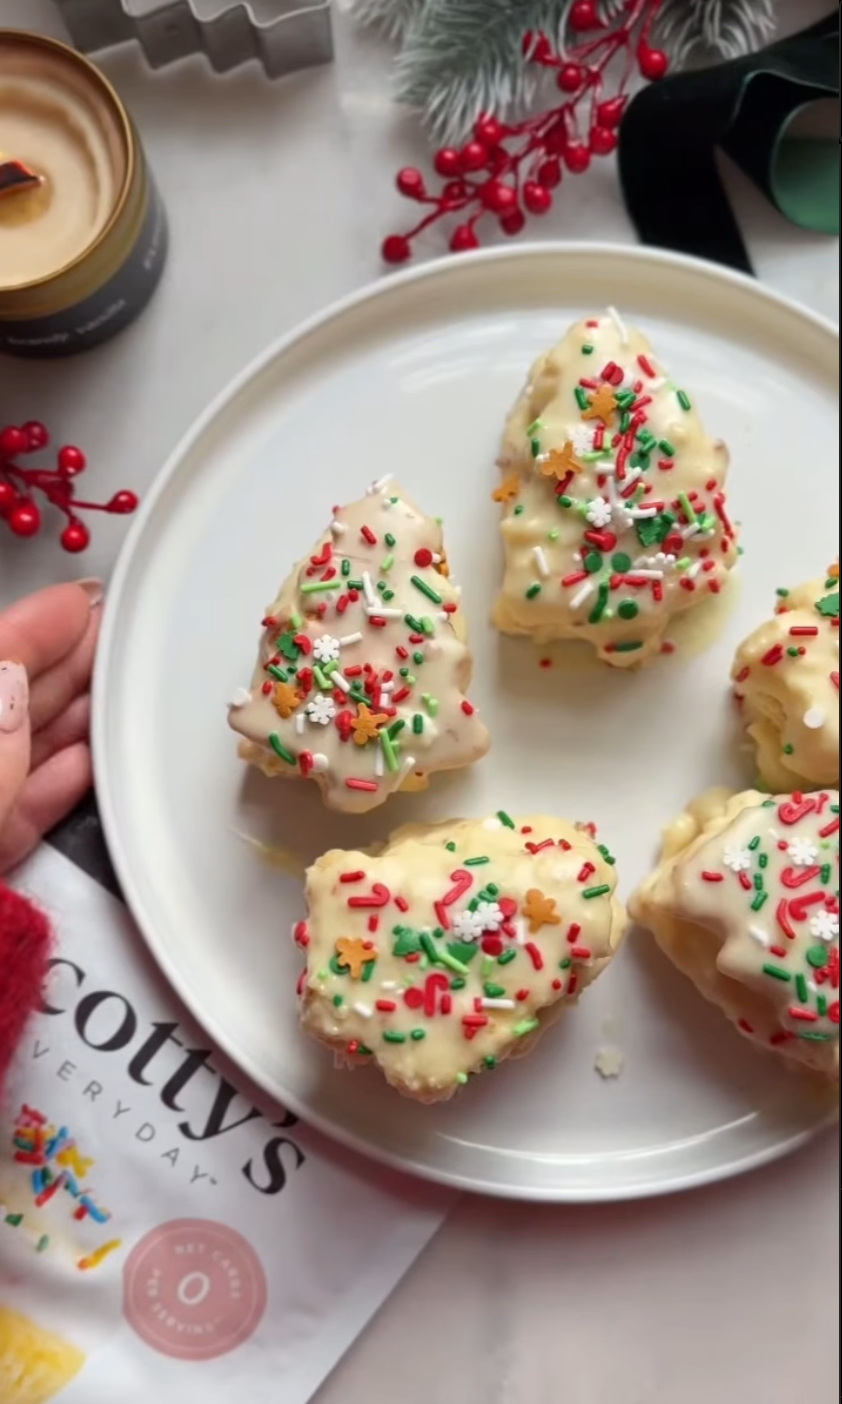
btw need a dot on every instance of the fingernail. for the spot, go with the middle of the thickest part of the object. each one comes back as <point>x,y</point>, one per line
<point>94,589</point>
<point>14,696</point>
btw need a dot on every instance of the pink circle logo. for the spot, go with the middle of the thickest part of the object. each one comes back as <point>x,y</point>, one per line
<point>193,1289</point>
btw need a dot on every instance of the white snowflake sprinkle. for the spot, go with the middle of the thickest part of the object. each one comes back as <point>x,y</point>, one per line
<point>737,859</point>
<point>581,437</point>
<point>321,709</point>
<point>802,853</point>
<point>326,649</point>
<point>468,926</point>
<point>825,926</point>
<point>598,512</point>
<point>492,916</point>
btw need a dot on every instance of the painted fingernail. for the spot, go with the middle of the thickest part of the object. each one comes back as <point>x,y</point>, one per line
<point>94,589</point>
<point>14,696</point>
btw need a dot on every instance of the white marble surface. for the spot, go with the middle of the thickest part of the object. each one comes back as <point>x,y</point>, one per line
<point>279,196</point>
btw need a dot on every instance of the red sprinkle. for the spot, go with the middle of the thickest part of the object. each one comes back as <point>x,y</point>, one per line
<point>712,877</point>
<point>373,923</point>
<point>423,557</point>
<point>356,876</point>
<point>401,694</point>
<point>581,952</point>
<point>401,904</point>
<point>803,630</point>
<point>807,1015</point>
<point>585,872</point>
<point>574,932</point>
<point>368,535</point>
<point>534,955</point>
<point>745,1026</point>
<point>573,984</point>
<point>646,366</point>
<point>386,1006</point>
<point>574,578</point>
<point>534,848</point>
<point>354,784</point>
<point>467,708</point>
<point>773,655</point>
<point>521,995</point>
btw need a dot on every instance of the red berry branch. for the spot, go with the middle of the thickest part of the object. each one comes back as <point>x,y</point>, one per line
<point>18,486</point>
<point>507,170</point>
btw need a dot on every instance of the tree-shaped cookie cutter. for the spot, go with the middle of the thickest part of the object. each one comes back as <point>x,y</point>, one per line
<point>299,36</point>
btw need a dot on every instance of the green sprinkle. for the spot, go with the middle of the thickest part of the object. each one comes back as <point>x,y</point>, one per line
<point>476,862</point>
<point>821,1004</point>
<point>817,957</point>
<point>601,601</point>
<point>451,846</point>
<point>395,728</point>
<point>413,623</point>
<point>517,510</point>
<point>815,1037</point>
<point>564,500</point>
<point>425,589</point>
<point>418,1034</point>
<point>505,819</point>
<point>666,447</point>
<point>587,350</point>
<point>445,958</point>
<point>609,857</point>
<point>639,459</point>
<point>534,589</point>
<point>687,507</point>
<point>280,749</point>
<point>346,566</point>
<point>490,1061</point>
<point>683,399</point>
<point>312,587</point>
<point>14,1219</point>
<point>535,447</point>
<point>565,964</point>
<point>534,427</point>
<point>321,678</point>
<point>596,891</point>
<point>524,1027</point>
<point>387,563</point>
<point>296,621</point>
<point>759,901</point>
<point>788,749</point>
<point>592,562</point>
<point>553,535</point>
<point>457,983</point>
<point>621,562</point>
<point>757,882</point>
<point>355,584</point>
<point>627,609</point>
<point>368,971</point>
<point>776,972</point>
<point>461,1078</point>
<point>276,672</point>
<point>418,723</point>
<point>625,421</point>
<point>337,999</point>
<point>428,946</point>
<point>392,1036</point>
<point>824,873</point>
<point>792,653</point>
<point>427,625</point>
<point>581,397</point>
<point>506,957</point>
<point>418,659</point>
<point>389,539</point>
<point>801,988</point>
<point>43,1243</point>
<point>628,647</point>
<point>388,750</point>
<point>493,991</point>
<point>625,398</point>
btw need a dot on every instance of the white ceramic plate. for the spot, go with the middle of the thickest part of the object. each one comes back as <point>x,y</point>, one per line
<point>414,377</point>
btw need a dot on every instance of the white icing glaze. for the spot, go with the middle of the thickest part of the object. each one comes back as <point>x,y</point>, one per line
<point>786,675</point>
<point>746,902</point>
<point>401,620</point>
<point>641,532</point>
<point>466,961</point>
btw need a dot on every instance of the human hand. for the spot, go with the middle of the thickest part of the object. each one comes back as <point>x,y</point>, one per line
<point>47,644</point>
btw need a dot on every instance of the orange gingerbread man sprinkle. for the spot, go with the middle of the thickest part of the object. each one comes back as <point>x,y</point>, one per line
<point>285,699</point>
<point>366,724</point>
<point>353,955</point>
<point>539,910</point>
<point>602,405</point>
<point>559,462</point>
<point>508,489</point>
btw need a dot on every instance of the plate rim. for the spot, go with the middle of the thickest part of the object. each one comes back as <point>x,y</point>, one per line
<point>384,288</point>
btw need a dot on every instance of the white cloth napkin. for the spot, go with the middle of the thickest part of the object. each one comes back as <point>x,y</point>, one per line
<point>248,1251</point>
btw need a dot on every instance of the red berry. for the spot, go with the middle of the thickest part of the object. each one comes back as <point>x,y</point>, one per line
<point>75,536</point>
<point>536,198</point>
<point>446,161</point>
<point>513,223</point>
<point>25,519</point>
<point>488,130</point>
<point>603,141</point>
<point>8,495</point>
<point>13,441</point>
<point>498,161</point>
<point>577,157</point>
<point>610,113</point>
<point>536,47</point>
<point>555,138</point>
<point>653,63</point>
<point>410,182</point>
<point>499,198</point>
<point>463,238</point>
<point>122,502</point>
<point>473,156</point>
<point>549,173</point>
<point>584,16</point>
<point>37,435</point>
<point>570,78</point>
<point>454,190</point>
<point>71,461</point>
<point>395,249</point>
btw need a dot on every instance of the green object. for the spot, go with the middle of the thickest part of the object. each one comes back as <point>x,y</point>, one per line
<point>747,108</point>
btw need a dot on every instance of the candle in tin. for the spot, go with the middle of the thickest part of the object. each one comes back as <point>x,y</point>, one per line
<point>82,228</point>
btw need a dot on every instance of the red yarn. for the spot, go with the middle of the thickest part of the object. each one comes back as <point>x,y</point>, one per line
<point>25,939</point>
